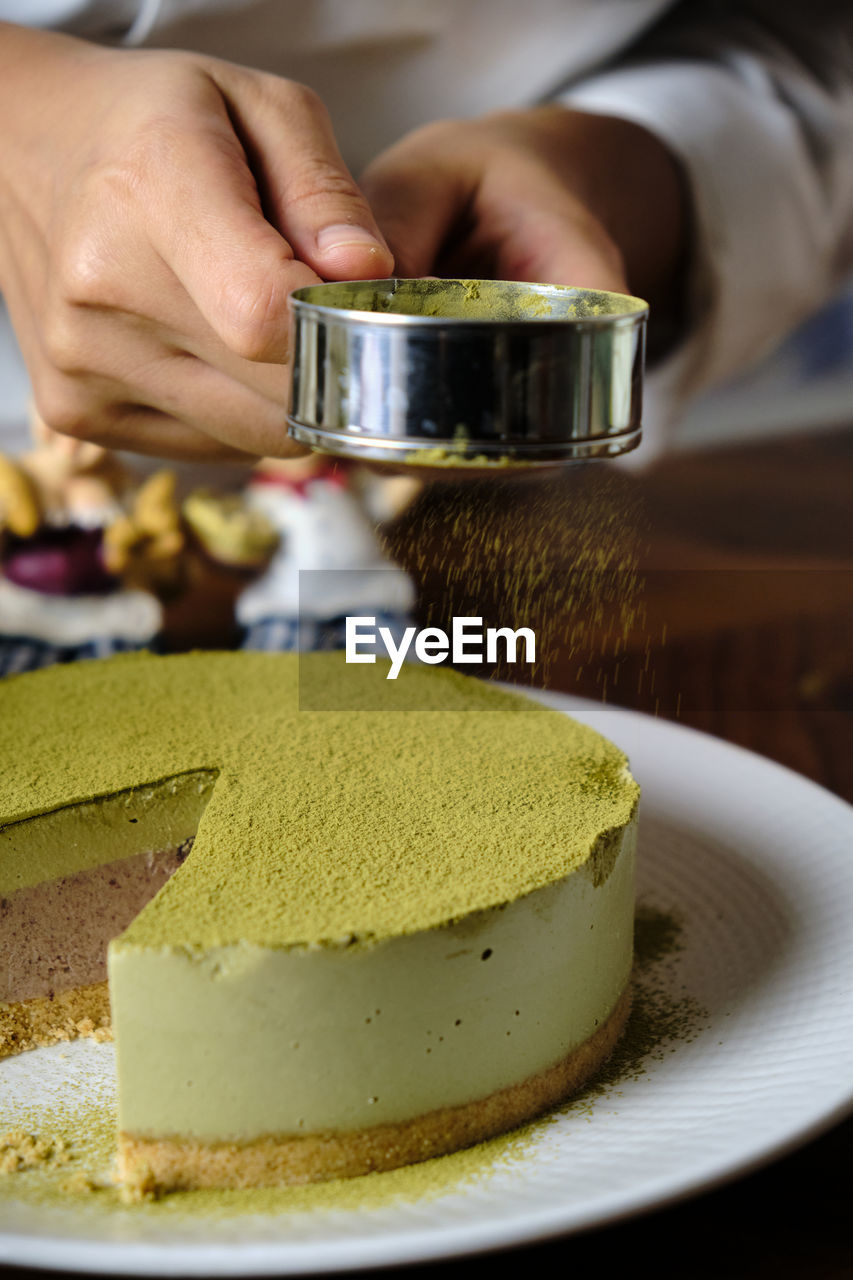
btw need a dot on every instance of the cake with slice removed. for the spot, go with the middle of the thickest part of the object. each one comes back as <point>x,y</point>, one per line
<point>396,932</point>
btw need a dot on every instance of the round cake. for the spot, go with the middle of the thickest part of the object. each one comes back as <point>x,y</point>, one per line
<point>339,940</point>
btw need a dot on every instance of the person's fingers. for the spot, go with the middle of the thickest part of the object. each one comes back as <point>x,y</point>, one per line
<point>539,231</point>
<point>124,346</point>
<point>237,190</point>
<point>235,267</point>
<point>204,398</point>
<point>419,192</point>
<point>149,278</point>
<point>242,426</point>
<point>308,193</point>
<point>453,202</point>
<point>157,435</point>
<point>238,260</point>
<point>164,385</point>
<point>98,375</point>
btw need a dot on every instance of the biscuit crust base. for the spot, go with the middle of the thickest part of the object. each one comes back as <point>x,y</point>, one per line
<point>154,1165</point>
<point>44,1020</point>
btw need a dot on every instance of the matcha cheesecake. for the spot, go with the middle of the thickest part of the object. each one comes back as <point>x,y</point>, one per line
<point>342,940</point>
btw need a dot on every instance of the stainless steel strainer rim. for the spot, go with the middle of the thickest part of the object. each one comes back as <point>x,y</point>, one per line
<point>519,388</point>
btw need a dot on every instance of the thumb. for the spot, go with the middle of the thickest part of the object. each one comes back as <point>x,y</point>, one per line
<point>240,241</point>
<point>308,193</point>
<point>235,267</point>
<point>417,198</point>
<point>558,242</point>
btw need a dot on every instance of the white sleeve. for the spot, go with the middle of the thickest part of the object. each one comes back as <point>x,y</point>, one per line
<point>129,21</point>
<point>109,19</point>
<point>759,111</point>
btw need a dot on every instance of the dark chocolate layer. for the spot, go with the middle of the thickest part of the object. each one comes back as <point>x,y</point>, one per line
<point>54,935</point>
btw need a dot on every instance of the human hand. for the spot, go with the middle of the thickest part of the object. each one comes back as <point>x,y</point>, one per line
<point>549,195</point>
<point>155,211</point>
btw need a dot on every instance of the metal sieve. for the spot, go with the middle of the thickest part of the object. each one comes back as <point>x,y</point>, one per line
<point>466,372</point>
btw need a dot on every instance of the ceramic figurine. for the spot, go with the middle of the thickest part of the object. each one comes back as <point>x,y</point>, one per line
<point>79,554</point>
<point>330,562</point>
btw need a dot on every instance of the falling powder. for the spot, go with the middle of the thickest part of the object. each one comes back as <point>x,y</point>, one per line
<point>558,553</point>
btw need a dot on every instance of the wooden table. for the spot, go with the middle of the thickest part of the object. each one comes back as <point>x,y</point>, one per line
<point>747,559</point>
<point>743,629</point>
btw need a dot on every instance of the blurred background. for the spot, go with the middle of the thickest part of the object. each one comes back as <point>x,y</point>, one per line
<point>807,382</point>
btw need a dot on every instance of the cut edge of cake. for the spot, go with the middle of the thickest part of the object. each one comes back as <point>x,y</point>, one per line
<point>169,1155</point>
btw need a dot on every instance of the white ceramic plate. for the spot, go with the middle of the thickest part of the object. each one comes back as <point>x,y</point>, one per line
<point>757,860</point>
